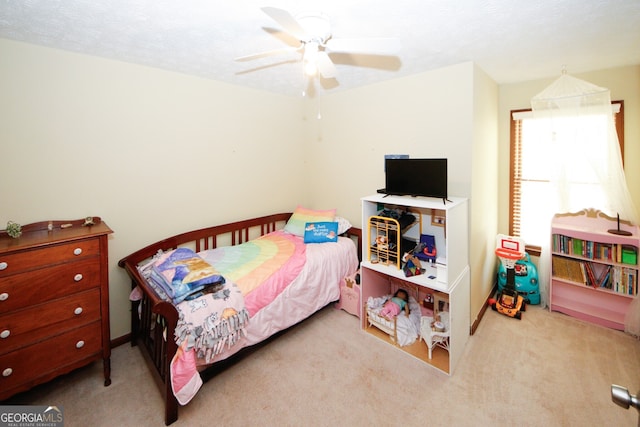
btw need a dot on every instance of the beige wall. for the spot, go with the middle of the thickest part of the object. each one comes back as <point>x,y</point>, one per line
<point>483,220</point>
<point>151,152</point>
<point>425,115</point>
<point>624,84</point>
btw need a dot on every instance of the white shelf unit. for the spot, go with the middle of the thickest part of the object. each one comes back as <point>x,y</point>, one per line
<point>452,244</point>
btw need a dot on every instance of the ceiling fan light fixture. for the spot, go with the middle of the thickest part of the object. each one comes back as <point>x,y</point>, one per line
<point>310,58</point>
<point>310,69</point>
<point>316,25</point>
<point>313,30</point>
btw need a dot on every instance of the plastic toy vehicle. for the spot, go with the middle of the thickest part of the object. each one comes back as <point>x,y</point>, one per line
<point>509,302</point>
<point>526,279</point>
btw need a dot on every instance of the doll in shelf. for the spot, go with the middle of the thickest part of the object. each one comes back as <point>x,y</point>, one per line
<point>398,302</point>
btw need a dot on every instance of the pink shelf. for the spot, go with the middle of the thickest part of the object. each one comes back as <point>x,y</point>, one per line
<point>596,305</point>
<point>593,305</point>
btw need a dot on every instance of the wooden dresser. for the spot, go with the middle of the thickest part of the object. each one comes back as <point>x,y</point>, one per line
<point>54,302</point>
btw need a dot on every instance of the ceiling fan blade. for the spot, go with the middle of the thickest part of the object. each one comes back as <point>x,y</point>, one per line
<point>266,53</point>
<point>287,22</point>
<point>374,46</point>
<point>326,66</point>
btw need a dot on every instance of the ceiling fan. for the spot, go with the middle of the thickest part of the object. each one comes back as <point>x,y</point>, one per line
<point>313,31</point>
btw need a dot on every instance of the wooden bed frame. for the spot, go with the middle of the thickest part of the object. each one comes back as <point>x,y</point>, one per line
<point>151,317</point>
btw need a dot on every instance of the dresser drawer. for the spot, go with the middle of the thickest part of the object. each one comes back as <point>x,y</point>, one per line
<point>38,257</point>
<point>35,323</point>
<point>37,286</point>
<point>48,358</point>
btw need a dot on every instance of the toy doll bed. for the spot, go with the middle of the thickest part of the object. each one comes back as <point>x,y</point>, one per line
<point>402,329</point>
<point>300,279</point>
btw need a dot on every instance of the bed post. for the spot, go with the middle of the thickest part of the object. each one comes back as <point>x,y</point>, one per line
<point>170,315</point>
<point>135,320</point>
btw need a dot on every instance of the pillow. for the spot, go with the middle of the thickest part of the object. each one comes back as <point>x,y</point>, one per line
<point>343,224</point>
<point>301,216</point>
<point>321,232</point>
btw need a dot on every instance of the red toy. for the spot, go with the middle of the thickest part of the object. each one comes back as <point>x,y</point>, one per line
<point>509,302</point>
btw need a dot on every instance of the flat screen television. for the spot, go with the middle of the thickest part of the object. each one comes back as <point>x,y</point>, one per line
<point>416,177</point>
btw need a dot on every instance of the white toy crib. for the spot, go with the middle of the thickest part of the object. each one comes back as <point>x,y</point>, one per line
<point>390,326</point>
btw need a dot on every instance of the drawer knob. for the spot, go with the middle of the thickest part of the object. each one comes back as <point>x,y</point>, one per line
<point>77,251</point>
<point>77,277</point>
<point>80,344</point>
<point>3,265</point>
<point>5,333</point>
<point>77,311</point>
<point>7,372</point>
<point>4,296</point>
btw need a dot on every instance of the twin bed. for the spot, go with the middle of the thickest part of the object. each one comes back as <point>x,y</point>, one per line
<point>276,274</point>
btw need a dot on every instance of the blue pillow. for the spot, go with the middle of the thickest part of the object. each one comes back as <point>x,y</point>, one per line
<point>320,232</point>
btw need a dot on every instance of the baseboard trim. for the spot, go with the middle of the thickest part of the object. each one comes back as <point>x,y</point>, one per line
<point>120,340</point>
<point>483,310</point>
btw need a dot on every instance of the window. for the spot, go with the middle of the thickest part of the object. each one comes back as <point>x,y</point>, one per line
<point>531,171</point>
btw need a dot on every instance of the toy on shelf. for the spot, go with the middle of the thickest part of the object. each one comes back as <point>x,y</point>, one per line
<point>411,266</point>
<point>426,248</point>
<point>435,332</point>
<point>384,240</point>
<point>509,302</point>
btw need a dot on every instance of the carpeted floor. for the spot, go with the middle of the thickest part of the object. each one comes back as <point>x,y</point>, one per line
<point>545,370</point>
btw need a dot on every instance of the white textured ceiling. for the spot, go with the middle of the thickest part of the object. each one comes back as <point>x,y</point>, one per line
<point>512,40</point>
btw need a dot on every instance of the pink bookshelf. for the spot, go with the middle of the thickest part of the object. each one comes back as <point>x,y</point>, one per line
<point>594,272</point>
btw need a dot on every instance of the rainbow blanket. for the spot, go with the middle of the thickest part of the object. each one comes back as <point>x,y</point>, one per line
<point>256,272</point>
<point>261,268</point>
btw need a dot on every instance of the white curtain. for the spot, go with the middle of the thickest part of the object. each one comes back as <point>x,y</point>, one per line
<point>586,164</point>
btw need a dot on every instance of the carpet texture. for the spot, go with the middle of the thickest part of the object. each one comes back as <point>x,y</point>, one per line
<point>544,370</point>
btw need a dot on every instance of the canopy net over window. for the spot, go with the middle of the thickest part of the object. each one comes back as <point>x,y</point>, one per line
<point>585,162</point>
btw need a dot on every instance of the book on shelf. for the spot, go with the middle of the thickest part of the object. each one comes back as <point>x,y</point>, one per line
<point>625,281</point>
<point>568,269</point>
<point>597,274</point>
<point>577,246</point>
<point>616,252</point>
<point>619,279</point>
<point>591,277</point>
<point>603,277</point>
